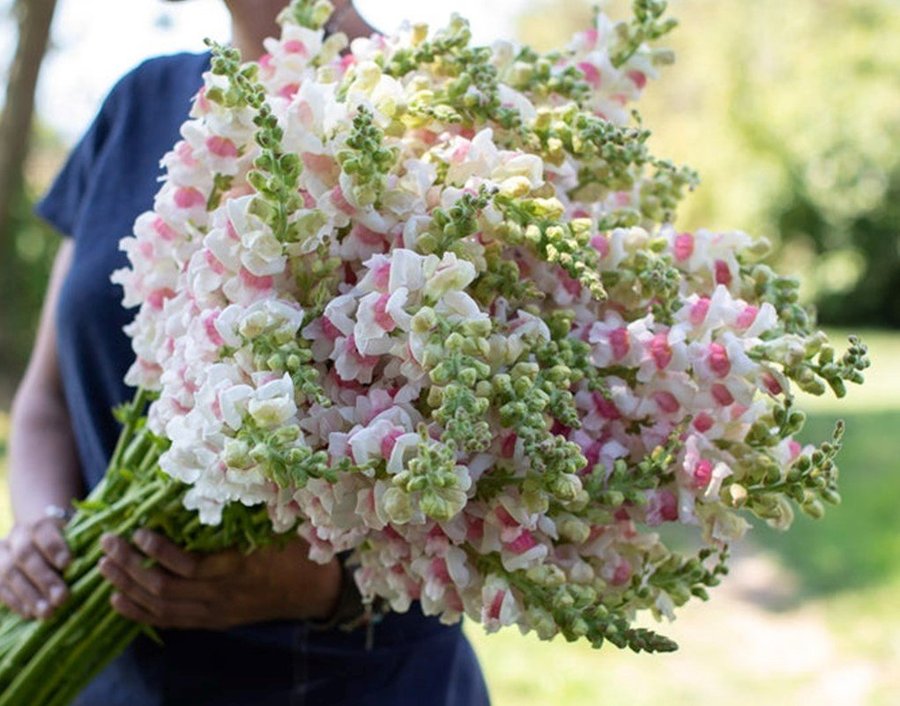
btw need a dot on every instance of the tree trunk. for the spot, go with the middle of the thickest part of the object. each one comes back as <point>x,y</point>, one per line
<point>34,18</point>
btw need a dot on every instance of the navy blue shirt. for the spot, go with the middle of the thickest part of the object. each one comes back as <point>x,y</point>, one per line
<point>110,178</point>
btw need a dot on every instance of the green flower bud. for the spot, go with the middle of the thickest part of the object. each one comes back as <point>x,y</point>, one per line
<point>541,621</point>
<point>565,486</point>
<point>502,384</point>
<point>579,627</point>
<point>275,362</point>
<point>574,530</point>
<point>454,342</point>
<point>563,600</point>
<point>397,506</point>
<point>484,389</point>
<point>417,483</point>
<point>535,500</point>
<point>260,453</point>
<point>533,234</point>
<point>550,208</point>
<point>237,454</point>
<point>468,377</point>
<point>815,509</point>
<point>286,434</point>
<point>435,506</point>
<point>547,575</point>
<point>293,362</point>
<point>477,327</point>
<point>298,455</point>
<point>424,320</point>
<point>613,498</point>
<point>441,375</point>
<point>831,496</point>
<point>510,231</point>
<point>700,592</point>
<point>419,33</point>
<point>435,396</point>
<point>581,500</point>
<point>528,371</point>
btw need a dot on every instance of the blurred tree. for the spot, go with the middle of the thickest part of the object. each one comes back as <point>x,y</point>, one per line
<point>825,109</point>
<point>25,246</point>
<point>34,18</point>
<point>791,114</point>
<point>25,262</point>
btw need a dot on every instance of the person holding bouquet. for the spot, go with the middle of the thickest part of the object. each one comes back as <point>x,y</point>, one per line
<point>271,627</point>
<point>424,303</point>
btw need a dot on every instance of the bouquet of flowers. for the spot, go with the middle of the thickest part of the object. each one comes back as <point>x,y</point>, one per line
<point>423,302</point>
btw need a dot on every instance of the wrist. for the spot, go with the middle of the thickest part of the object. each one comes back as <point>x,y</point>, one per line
<point>328,590</point>
<point>299,589</point>
<point>34,512</point>
<point>58,512</point>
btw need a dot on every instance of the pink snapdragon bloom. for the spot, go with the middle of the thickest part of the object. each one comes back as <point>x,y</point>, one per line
<point>350,363</point>
<point>377,317</point>
<point>662,350</point>
<point>662,506</point>
<point>443,577</point>
<point>722,360</point>
<point>500,607</point>
<point>216,154</point>
<point>613,342</point>
<point>710,254</point>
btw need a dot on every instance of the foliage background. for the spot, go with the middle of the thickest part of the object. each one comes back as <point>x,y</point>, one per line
<point>791,113</point>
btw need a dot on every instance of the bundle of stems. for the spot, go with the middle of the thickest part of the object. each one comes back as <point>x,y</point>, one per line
<point>50,662</point>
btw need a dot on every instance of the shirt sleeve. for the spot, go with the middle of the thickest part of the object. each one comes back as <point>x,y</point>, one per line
<point>61,206</point>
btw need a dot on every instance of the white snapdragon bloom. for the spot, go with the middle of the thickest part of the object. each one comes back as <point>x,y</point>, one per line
<point>408,194</point>
<point>235,124</point>
<point>450,274</point>
<point>272,404</point>
<point>294,50</point>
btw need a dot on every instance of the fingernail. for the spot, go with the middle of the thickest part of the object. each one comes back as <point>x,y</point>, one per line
<point>141,537</point>
<point>61,559</point>
<point>57,594</point>
<point>42,608</point>
<point>108,542</point>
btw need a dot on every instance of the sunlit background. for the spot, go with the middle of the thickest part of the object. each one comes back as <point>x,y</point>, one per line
<point>791,113</point>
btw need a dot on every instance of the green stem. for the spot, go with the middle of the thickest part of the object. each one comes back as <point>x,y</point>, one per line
<point>95,619</point>
<point>35,670</point>
<point>32,654</point>
<point>119,634</point>
<point>135,411</point>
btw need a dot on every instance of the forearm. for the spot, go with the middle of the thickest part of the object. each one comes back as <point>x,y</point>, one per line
<point>43,465</point>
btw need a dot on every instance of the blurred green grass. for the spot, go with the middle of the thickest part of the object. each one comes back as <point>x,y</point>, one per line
<point>882,389</point>
<point>858,543</point>
<point>826,638</point>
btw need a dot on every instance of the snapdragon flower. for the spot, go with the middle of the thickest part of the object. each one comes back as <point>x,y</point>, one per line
<point>425,303</point>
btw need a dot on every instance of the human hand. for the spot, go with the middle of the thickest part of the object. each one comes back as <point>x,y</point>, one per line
<point>219,590</point>
<point>32,558</point>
